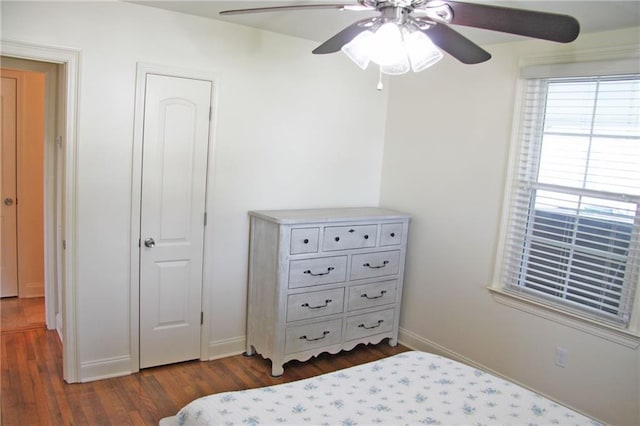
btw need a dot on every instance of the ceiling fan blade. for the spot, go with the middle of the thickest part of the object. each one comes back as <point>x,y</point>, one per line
<point>335,43</point>
<point>292,7</point>
<point>457,45</point>
<point>542,25</point>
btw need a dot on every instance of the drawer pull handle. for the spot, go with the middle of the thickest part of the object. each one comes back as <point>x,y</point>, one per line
<point>351,231</point>
<point>329,269</point>
<point>378,324</point>
<point>385,263</point>
<point>324,334</point>
<point>326,303</point>
<point>337,239</point>
<point>382,293</point>
<point>306,241</point>
<point>366,237</point>
<point>393,234</point>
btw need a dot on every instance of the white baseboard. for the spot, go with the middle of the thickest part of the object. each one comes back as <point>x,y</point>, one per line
<point>34,289</point>
<point>236,345</point>
<point>59,326</point>
<point>419,343</point>
<point>105,368</point>
<point>416,342</point>
<point>226,347</point>
<point>121,366</point>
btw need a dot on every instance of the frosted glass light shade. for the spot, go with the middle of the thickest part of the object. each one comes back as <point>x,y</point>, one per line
<point>359,49</point>
<point>396,68</point>
<point>421,50</point>
<point>388,46</point>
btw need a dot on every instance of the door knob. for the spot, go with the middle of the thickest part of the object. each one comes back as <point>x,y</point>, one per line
<point>149,242</point>
<point>8,201</point>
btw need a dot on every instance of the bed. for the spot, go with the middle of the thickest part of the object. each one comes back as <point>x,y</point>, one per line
<point>409,388</point>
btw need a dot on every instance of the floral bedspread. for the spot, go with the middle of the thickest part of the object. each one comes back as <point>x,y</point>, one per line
<point>409,388</point>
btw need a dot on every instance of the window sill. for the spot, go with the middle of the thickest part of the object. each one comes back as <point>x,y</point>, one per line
<point>625,338</point>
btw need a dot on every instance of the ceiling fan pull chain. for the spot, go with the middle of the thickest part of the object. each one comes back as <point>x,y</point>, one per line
<point>380,86</point>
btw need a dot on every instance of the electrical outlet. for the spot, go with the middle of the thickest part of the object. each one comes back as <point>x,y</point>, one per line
<point>562,356</point>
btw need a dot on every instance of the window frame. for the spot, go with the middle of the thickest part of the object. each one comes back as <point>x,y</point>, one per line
<point>554,68</point>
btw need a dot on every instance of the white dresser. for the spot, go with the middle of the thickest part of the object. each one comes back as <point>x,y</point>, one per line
<point>323,280</point>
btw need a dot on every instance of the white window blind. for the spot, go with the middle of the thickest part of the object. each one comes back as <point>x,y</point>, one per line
<point>574,219</point>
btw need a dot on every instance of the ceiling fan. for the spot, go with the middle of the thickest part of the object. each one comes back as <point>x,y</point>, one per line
<point>403,34</point>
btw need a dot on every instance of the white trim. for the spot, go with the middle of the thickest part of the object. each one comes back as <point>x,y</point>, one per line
<point>142,70</point>
<point>419,343</point>
<point>416,342</point>
<point>583,69</point>
<point>136,194</point>
<point>514,153</point>
<point>70,58</point>
<point>32,289</point>
<point>50,72</point>
<point>207,280</point>
<point>50,276</point>
<point>630,337</point>
<point>226,347</point>
<point>58,325</point>
<point>629,52</point>
<point>622,337</point>
<point>105,368</point>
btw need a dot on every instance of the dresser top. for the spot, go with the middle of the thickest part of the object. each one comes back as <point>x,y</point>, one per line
<point>328,215</point>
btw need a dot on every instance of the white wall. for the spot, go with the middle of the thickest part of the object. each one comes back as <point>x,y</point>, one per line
<point>298,130</point>
<point>446,151</point>
<point>293,130</point>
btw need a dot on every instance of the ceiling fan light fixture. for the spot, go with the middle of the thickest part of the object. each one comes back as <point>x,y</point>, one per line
<point>388,47</point>
<point>396,68</point>
<point>421,50</point>
<point>359,49</point>
<point>400,19</point>
<point>396,47</point>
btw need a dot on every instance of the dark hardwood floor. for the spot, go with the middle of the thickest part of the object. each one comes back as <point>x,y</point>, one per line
<point>33,392</point>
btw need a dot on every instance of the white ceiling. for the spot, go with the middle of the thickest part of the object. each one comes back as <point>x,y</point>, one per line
<point>320,25</point>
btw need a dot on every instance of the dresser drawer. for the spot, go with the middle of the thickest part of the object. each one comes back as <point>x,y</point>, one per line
<point>376,264</point>
<point>322,270</point>
<point>304,337</point>
<point>304,240</point>
<point>370,324</point>
<point>370,295</point>
<point>391,234</point>
<point>315,304</point>
<point>349,237</point>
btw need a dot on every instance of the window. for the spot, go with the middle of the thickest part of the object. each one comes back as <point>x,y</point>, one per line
<point>573,226</point>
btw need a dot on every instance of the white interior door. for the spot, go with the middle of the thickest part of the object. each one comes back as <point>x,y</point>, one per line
<point>8,209</point>
<point>174,168</point>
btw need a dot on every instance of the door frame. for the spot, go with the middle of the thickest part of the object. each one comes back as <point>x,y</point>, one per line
<point>68,89</point>
<point>18,77</point>
<point>142,70</point>
<point>50,71</point>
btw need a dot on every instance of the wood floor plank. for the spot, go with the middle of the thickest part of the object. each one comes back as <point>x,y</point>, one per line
<point>21,313</point>
<point>38,382</point>
<point>118,414</point>
<point>34,393</point>
<point>129,391</point>
<point>135,419</point>
<point>58,389</point>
